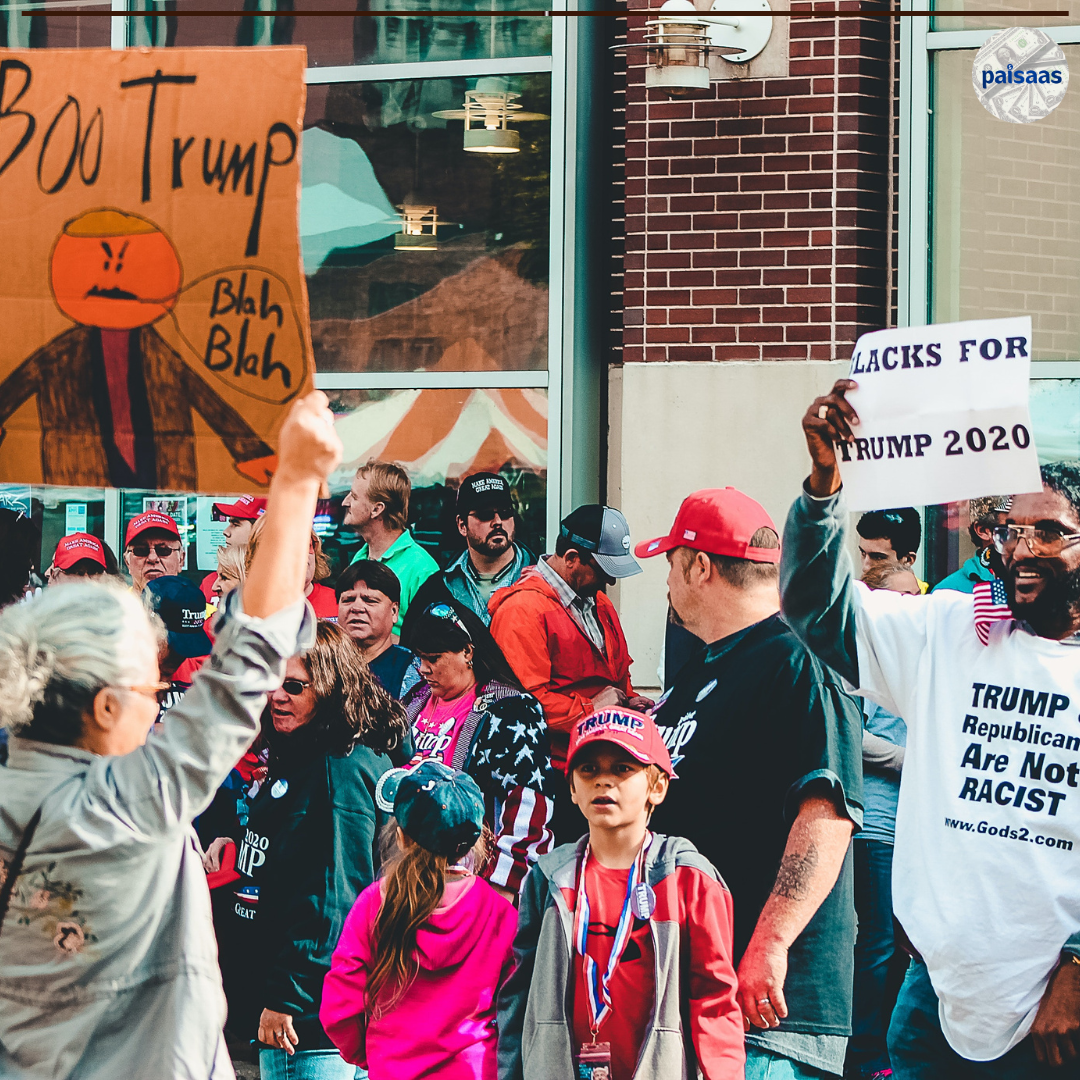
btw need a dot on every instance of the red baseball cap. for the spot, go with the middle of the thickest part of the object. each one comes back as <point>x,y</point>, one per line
<point>151,519</point>
<point>635,732</point>
<point>247,507</point>
<point>719,521</point>
<point>78,546</point>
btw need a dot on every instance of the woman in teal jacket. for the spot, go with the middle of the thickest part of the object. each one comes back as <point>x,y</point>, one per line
<point>307,850</point>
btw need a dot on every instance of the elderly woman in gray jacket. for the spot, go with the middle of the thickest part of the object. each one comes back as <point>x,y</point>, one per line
<point>108,966</point>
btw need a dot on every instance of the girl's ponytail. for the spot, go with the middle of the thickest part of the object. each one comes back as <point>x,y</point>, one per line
<point>413,886</point>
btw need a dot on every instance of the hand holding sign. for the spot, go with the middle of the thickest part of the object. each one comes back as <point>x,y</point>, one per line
<point>937,414</point>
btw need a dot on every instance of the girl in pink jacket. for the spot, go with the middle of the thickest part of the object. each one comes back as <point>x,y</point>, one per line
<point>413,982</point>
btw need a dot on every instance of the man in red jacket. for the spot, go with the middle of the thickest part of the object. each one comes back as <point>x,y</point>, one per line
<point>561,634</point>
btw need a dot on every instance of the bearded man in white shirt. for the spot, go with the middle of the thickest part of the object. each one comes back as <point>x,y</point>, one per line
<point>986,878</point>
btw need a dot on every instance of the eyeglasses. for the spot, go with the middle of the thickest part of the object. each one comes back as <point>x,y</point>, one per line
<point>163,551</point>
<point>292,687</point>
<point>150,690</point>
<point>1042,543</point>
<point>445,611</point>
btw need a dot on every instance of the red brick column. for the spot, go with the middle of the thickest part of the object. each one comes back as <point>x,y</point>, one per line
<point>756,216</point>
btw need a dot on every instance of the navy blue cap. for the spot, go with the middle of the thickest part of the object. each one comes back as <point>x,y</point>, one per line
<point>181,606</point>
<point>438,807</point>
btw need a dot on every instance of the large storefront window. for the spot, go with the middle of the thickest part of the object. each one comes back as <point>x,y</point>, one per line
<point>426,247</point>
<point>999,207</point>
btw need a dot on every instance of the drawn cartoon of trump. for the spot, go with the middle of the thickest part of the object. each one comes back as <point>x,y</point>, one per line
<point>115,401</point>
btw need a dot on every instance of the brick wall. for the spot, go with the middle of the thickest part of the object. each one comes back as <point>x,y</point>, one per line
<point>756,217</point>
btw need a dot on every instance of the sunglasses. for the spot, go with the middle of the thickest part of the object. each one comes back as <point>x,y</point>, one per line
<point>1042,543</point>
<point>293,687</point>
<point>445,611</point>
<point>163,551</point>
<point>492,512</point>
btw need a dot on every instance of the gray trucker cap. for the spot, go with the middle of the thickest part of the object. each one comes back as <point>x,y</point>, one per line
<point>605,535</point>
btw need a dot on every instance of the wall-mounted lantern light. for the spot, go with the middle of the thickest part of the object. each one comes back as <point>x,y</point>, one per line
<point>678,41</point>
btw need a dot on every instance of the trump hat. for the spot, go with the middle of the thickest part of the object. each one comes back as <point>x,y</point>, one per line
<point>76,547</point>
<point>150,519</point>
<point>181,606</point>
<point>718,521</point>
<point>629,729</point>
<point>247,508</point>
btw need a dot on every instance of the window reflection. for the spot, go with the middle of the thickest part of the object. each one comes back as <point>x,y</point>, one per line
<point>440,436</point>
<point>1006,212</point>
<point>468,293</point>
<point>19,31</point>
<point>340,42</point>
<point>1011,14</point>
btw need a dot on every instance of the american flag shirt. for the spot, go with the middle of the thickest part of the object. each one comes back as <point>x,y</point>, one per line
<point>502,744</point>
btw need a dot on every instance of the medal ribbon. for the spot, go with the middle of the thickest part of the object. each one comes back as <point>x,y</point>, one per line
<point>596,982</point>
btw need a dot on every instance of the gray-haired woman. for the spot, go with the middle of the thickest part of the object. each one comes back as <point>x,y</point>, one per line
<point>108,966</point>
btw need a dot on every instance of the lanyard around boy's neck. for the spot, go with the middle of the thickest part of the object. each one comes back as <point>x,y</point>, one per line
<point>597,995</point>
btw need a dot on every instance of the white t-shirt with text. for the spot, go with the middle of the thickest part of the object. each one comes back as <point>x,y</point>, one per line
<point>986,868</point>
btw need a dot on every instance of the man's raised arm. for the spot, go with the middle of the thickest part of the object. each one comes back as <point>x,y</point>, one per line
<point>815,570</point>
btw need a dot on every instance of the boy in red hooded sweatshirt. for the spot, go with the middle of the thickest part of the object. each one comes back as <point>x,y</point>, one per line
<point>623,953</point>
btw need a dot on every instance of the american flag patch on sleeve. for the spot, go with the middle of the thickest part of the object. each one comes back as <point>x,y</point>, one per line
<point>991,606</point>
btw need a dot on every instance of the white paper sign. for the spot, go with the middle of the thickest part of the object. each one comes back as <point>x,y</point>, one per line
<point>944,415</point>
<point>209,534</point>
<point>74,518</point>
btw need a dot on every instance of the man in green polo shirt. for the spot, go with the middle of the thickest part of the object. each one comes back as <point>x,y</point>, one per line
<point>377,507</point>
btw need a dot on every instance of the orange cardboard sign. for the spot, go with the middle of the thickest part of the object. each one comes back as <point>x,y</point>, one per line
<point>152,300</point>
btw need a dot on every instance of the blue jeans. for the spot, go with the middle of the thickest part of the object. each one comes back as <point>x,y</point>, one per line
<point>918,1049</point>
<point>761,1065</point>
<point>306,1065</point>
<point>867,1052</point>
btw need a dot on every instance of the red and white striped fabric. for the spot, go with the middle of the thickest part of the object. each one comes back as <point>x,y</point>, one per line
<point>521,838</point>
<point>991,606</point>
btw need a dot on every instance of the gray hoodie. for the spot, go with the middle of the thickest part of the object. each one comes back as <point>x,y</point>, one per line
<point>535,1003</point>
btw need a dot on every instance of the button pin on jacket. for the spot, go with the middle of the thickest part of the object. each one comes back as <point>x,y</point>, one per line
<point>279,788</point>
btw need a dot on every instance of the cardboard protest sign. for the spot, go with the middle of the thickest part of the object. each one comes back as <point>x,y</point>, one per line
<point>152,299</point>
<point>943,415</point>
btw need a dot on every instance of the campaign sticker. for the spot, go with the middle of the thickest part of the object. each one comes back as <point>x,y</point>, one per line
<point>1020,75</point>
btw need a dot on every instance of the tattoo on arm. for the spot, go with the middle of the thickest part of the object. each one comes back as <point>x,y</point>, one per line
<point>796,870</point>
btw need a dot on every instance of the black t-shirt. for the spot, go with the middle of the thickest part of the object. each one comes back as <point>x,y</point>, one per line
<point>750,722</point>
<point>389,668</point>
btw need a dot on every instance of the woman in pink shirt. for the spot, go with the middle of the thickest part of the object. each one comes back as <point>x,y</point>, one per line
<point>414,978</point>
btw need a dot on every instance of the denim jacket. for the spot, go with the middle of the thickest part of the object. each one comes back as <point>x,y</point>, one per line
<point>108,964</point>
